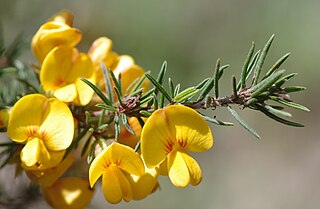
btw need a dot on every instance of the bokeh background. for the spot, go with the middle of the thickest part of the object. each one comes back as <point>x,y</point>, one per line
<point>282,170</point>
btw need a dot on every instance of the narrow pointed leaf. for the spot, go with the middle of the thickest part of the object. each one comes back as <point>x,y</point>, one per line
<point>216,121</point>
<point>277,112</point>
<point>207,88</point>
<point>290,104</point>
<point>107,107</point>
<point>202,83</point>
<point>216,79</point>
<point>242,122</point>
<point>186,94</point>
<point>245,66</point>
<point>262,59</point>
<point>171,87</point>
<point>107,82</point>
<point>221,70</point>
<point>285,79</point>
<point>265,84</point>
<point>159,87</point>
<point>276,118</point>
<point>115,81</point>
<point>117,127</point>
<point>124,121</point>
<point>97,91</point>
<point>291,89</point>
<point>177,89</point>
<point>277,65</point>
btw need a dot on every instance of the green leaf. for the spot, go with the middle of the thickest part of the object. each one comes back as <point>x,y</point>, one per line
<point>221,70</point>
<point>117,127</point>
<point>186,94</point>
<point>216,79</point>
<point>276,118</point>
<point>291,89</point>
<point>245,67</point>
<point>162,73</point>
<point>177,89</point>
<point>207,88</point>
<point>261,60</point>
<point>126,124</point>
<point>277,112</point>
<point>97,91</point>
<point>285,79</point>
<point>155,102</point>
<point>202,83</point>
<point>242,122</point>
<point>159,87</point>
<point>145,100</point>
<point>215,121</point>
<point>106,107</point>
<point>8,70</point>
<point>145,113</point>
<point>289,104</point>
<point>118,93</point>
<point>276,65</point>
<point>265,84</point>
<point>116,81</point>
<point>171,87</point>
<point>107,81</point>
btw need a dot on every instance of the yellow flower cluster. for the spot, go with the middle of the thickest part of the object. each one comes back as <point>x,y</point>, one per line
<point>44,126</point>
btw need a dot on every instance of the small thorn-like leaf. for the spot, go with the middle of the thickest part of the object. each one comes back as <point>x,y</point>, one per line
<point>186,94</point>
<point>206,89</point>
<point>276,65</point>
<point>265,84</point>
<point>106,107</point>
<point>291,89</point>
<point>97,91</point>
<point>145,113</point>
<point>126,124</point>
<point>245,67</point>
<point>159,87</point>
<point>171,87</point>
<point>277,112</point>
<point>276,118</point>
<point>289,104</point>
<point>261,60</point>
<point>117,127</point>
<point>107,81</point>
<point>216,121</point>
<point>177,89</point>
<point>285,79</point>
<point>116,81</point>
<point>242,122</point>
<point>221,70</point>
<point>216,79</point>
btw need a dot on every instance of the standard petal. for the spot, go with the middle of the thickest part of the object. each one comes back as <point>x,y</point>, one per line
<point>82,67</point>
<point>58,126</point>
<point>26,117</point>
<point>194,169</point>
<point>191,130</point>
<point>126,158</point>
<point>67,93</point>
<point>100,49</point>
<point>157,139</point>
<point>56,67</point>
<point>85,93</point>
<point>178,170</point>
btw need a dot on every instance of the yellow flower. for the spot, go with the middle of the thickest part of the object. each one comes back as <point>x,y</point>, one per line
<point>52,34</point>
<point>4,117</point>
<point>49,176</point>
<point>114,163</point>
<point>45,126</point>
<point>169,135</point>
<point>69,193</point>
<point>63,16</point>
<point>129,72</point>
<point>143,185</point>
<point>61,72</point>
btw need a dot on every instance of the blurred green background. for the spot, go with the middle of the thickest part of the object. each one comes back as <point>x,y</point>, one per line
<point>280,171</point>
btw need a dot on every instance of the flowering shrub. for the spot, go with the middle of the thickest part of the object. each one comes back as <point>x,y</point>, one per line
<point>98,111</point>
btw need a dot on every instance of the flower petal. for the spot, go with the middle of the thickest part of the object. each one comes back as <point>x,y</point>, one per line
<point>97,167</point>
<point>194,169</point>
<point>58,126</point>
<point>85,93</point>
<point>191,130</point>
<point>71,193</point>
<point>157,139</point>
<point>56,67</point>
<point>34,153</point>
<point>67,93</point>
<point>26,117</point>
<point>115,186</point>
<point>178,170</point>
<point>53,34</point>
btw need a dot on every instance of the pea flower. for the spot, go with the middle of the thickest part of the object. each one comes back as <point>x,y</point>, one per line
<point>61,72</point>
<point>46,128</point>
<point>114,163</point>
<point>51,35</point>
<point>168,136</point>
<point>71,193</point>
<point>64,16</point>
